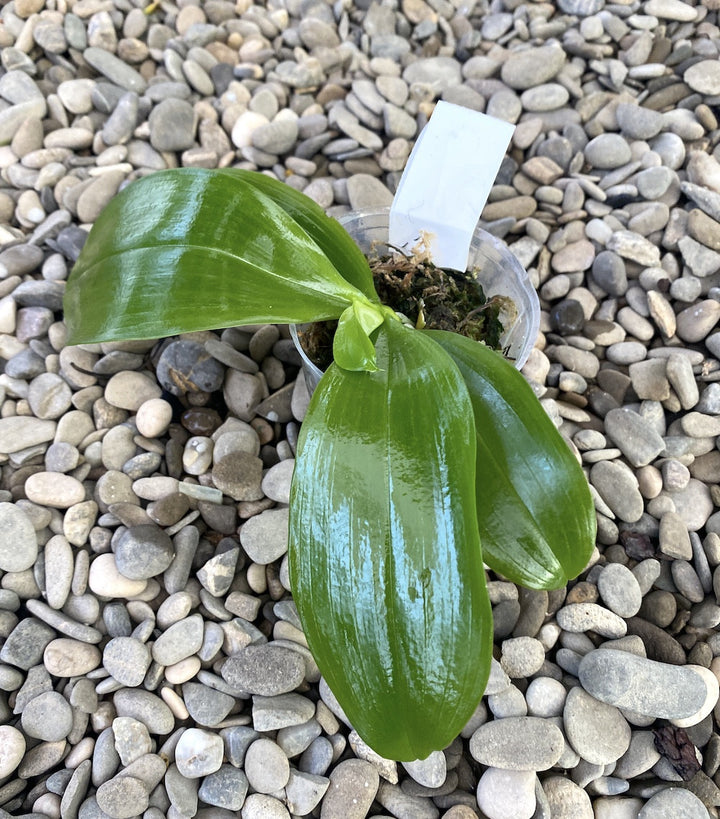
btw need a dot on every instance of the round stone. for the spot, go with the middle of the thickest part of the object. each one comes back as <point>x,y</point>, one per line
<point>580,617</point>
<point>172,125</point>
<point>54,489</point>
<point>123,797</point>
<point>567,317</point>
<point>239,475</point>
<point>264,537</point>
<point>132,739</point>
<point>12,749</point>
<point>353,786</point>
<point>18,545</point>
<point>48,717</point>
<point>127,660</point>
<point>597,731</point>
<point>49,396</point>
<point>153,417</point>
<point>186,366</point>
<point>620,590</point>
<point>530,67</point>
<point>566,799</point>
<point>226,788</point>
<point>267,670</point>
<point>608,151</point>
<point>499,788</point>
<point>619,489</point>
<point>130,390</point>
<point>671,803</point>
<point>181,640</point>
<point>276,482</point>
<point>704,77</point>
<point>430,772</point>
<point>198,753</point>
<point>106,580</point>
<point>266,766</point>
<point>145,707</point>
<point>65,657</point>
<point>518,744</point>
<point>263,806</point>
<point>521,658</point>
<point>143,551</point>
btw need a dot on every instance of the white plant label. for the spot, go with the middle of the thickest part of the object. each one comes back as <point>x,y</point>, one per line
<point>447,181</point>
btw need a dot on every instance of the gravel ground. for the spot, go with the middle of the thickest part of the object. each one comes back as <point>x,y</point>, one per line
<point>151,659</point>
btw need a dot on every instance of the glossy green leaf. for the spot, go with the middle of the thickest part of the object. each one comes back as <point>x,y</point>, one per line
<point>535,512</point>
<point>327,233</point>
<point>352,347</point>
<point>385,560</point>
<point>194,249</point>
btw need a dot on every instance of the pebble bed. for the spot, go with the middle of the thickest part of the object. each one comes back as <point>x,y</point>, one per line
<point>151,659</point>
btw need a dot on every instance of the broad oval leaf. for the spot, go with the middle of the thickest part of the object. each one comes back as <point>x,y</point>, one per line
<point>334,241</point>
<point>385,560</point>
<point>535,512</point>
<point>193,249</point>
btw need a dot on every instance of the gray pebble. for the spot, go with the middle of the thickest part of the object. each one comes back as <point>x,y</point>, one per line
<point>226,788</point>
<point>607,151</point>
<point>18,546</point>
<point>618,487</point>
<point>266,766</point>
<point>25,644</point>
<point>281,711</point>
<point>644,686</point>
<point>264,537</point>
<point>264,669</point>
<point>127,659</point>
<point>531,67</point>
<point>580,617</point>
<point>518,744</point>
<point>172,125</point>
<point>181,640</point>
<point>353,786</point>
<point>619,590</point>
<point>145,707</point>
<point>123,797</point>
<point>634,435</point>
<point>205,705</point>
<point>132,739</point>
<point>48,717</point>
<point>114,69</point>
<point>143,552</point>
<point>671,803</point>
<point>597,731</point>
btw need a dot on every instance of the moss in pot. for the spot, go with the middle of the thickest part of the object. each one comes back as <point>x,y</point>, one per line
<point>495,288</point>
<point>423,456</point>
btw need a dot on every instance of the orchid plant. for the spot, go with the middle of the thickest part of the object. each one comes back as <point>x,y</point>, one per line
<point>424,457</point>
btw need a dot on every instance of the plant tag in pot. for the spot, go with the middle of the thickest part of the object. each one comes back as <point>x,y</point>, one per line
<point>447,181</point>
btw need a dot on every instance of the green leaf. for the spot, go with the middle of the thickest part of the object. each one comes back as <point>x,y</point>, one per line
<point>335,242</point>
<point>352,347</point>
<point>194,249</point>
<point>385,560</point>
<point>535,512</point>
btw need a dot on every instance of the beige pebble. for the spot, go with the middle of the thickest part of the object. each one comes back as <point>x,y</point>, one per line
<point>105,580</point>
<point>12,749</point>
<point>153,417</point>
<point>54,489</point>
<point>130,390</point>
<point>65,657</point>
<point>182,671</point>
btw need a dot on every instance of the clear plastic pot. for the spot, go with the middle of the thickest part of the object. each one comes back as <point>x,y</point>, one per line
<point>498,271</point>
